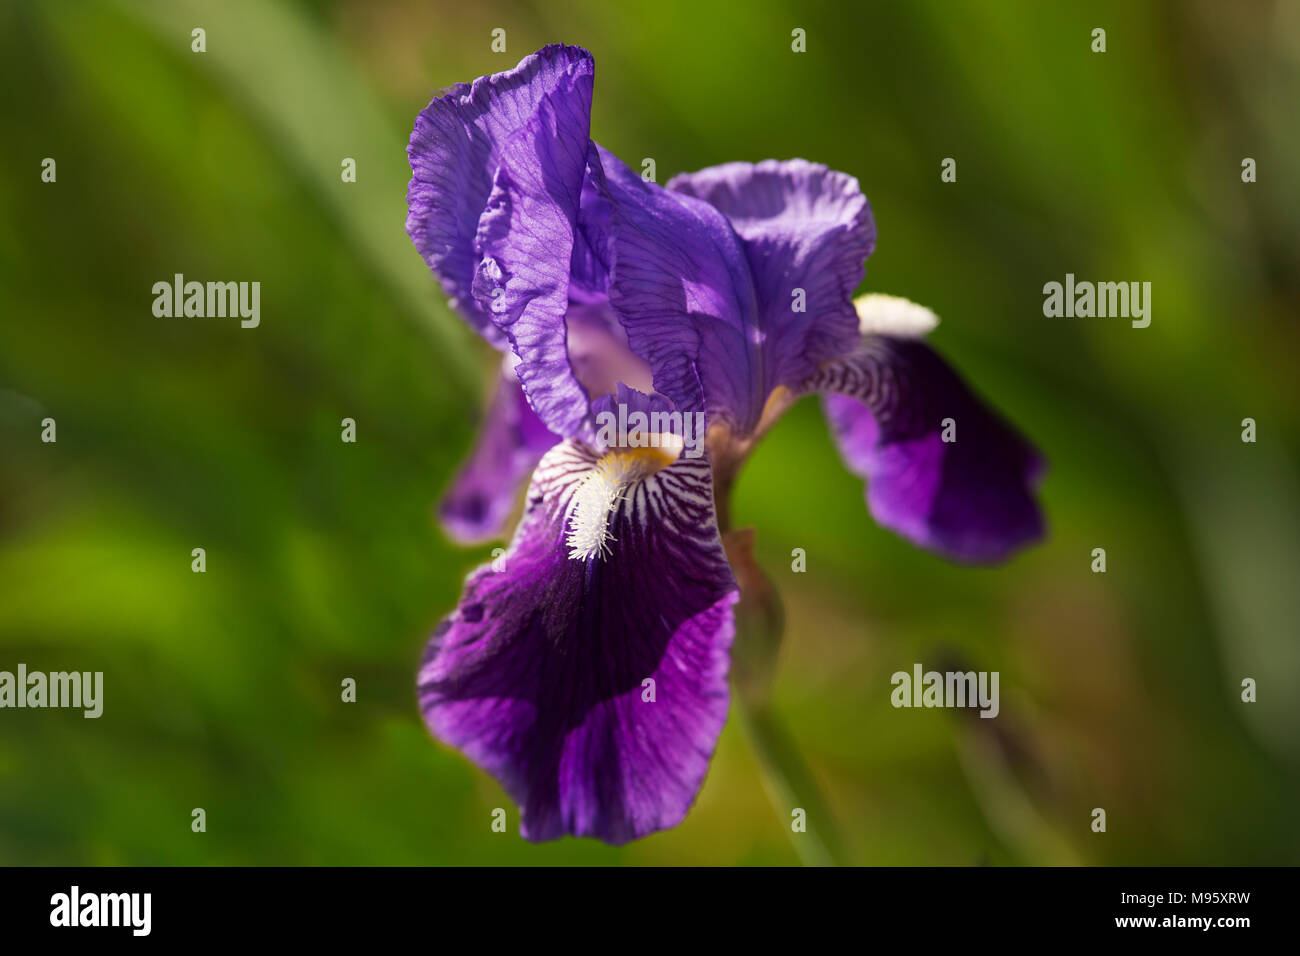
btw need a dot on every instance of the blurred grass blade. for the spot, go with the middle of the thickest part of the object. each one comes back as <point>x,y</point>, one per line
<point>790,784</point>
<point>304,90</point>
<point>789,781</point>
<point>1244,512</point>
<point>1006,803</point>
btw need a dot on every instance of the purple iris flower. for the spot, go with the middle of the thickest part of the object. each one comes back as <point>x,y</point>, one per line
<point>587,668</point>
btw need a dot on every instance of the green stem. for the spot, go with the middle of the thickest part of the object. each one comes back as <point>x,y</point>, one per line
<point>790,784</point>
<point>759,628</point>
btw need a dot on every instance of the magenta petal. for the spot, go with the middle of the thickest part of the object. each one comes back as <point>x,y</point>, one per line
<point>544,673</point>
<point>510,443</point>
<point>971,499</point>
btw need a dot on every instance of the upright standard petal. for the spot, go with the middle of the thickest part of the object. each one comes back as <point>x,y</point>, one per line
<point>528,238</point>
<point>941,468</point>
<point>456,151</point>
<point>593,689</point>
<point>807,231</point>
<point>682,289</point>
<point>511,441</point>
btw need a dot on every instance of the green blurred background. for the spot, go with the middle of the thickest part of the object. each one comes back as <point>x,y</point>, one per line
<point>1119,691</point>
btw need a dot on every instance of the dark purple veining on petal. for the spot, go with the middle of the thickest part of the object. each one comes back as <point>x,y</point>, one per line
<point>542,674</point>
<point>972,498</point>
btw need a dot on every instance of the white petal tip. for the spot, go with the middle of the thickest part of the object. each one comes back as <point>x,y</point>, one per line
<point>893,315</point>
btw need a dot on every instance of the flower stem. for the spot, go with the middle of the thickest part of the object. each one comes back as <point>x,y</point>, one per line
<point>789,781</point>
<point>790,786</point>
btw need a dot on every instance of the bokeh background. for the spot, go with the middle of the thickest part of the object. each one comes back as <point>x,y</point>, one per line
<point>1119,690</point>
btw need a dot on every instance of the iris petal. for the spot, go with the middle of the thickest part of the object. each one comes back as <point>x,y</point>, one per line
<point>456,150</point>
<point>593,690</point>
<point>892,406</point>
<point>510,443</point>
<point>527,235</point>
<point>683,291</point>
<point>807,231</point>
